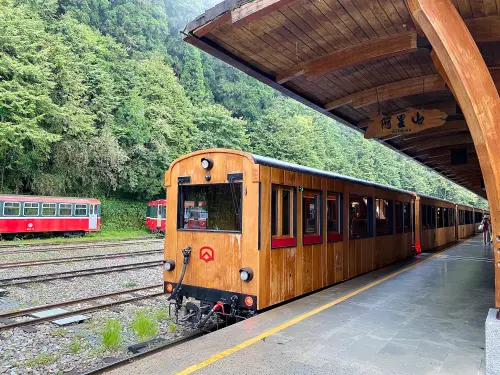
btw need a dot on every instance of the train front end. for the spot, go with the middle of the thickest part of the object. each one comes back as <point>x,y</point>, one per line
<point>211,248</point>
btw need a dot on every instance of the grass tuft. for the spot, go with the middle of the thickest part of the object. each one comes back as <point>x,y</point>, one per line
<point>171,326</point>
<point>130,284</point>
<point>74,346</point>
<point>145,326</point>
<point>42,359</point>
<point>58,332</point>
<point>111,334</point>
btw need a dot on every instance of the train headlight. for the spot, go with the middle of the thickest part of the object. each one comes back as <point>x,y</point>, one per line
<point>207,163</point>
<point>169,265</point>
<point>246,274</point>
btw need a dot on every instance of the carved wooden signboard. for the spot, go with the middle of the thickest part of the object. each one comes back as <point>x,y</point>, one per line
<point>411,121</point>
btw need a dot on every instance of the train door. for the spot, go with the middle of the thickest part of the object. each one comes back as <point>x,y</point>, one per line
<point>159,215</point>
<point>93,216</point>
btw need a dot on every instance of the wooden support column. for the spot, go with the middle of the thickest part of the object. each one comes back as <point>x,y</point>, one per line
<point>474,90</point>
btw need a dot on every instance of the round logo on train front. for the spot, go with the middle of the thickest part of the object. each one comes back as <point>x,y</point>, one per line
<point>206,254</point>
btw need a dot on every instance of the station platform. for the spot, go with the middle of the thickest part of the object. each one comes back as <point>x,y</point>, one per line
<point>422,316</point>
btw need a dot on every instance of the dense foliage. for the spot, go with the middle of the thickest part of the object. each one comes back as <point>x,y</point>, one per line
<point>97,97</point>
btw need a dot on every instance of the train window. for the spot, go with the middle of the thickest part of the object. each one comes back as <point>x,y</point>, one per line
<point>406,217</point>
<point>423,215</point>
<point>30,209</point>
<point>11,209</point>
<point>446,218</point>
<point>383,217</point>
<point>433,217</point>
<point>439,215</point>
<point>334,217</point>
<point>214,207</point>
<point>80,210</point>
<point>311,217</point>
<point>282,217</point>
<point>399,217</point>
<point>65,209</point>
<point>48,209</point>
<point>360,216</point>
<point>451,214</point>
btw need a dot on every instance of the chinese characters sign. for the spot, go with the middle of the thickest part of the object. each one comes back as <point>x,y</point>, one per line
<point>411,121</point>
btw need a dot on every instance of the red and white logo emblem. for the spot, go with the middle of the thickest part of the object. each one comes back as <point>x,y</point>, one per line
<point>206,254</point>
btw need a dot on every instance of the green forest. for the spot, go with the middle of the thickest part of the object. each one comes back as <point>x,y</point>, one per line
<point>98,97</point>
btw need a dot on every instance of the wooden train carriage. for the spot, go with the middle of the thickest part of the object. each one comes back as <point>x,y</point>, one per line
<point>156,215</point>
<point>466,225</point>
<point>295,229</point>
<point>30,214</point>
<point>437,223</point>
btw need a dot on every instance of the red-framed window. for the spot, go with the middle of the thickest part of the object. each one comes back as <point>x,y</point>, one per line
<point>334,217</point>
<point>311,217</point>
<point>283,217</point>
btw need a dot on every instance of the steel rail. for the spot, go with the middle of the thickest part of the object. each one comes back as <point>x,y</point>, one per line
<point>39,262</point>
<point>29,310</point>
<point>76,273</point>
<point>79,311</point>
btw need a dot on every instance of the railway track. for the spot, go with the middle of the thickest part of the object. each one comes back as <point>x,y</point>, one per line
<point>76,273</point>
<point>79,246</point>
<point>40,262</point>
<point>127,294</point>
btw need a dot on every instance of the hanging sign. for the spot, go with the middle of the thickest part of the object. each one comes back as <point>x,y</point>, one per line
<point>411,121</point>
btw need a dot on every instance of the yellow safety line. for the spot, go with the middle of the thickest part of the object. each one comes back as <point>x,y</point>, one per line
<point>300,318</point>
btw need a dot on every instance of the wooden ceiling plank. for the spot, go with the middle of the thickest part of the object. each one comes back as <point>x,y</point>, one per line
<point>427,144</point>
<point>351,56</point>
<point>333,19</point>
<point>490,7</point>
<point>331,29</point>
<point>484,29</point>
<point>255,10</point>
<point>347,19</point>
<point>403,13</point>
<point>350,8</point>
<point>383,65</point>
<point>405,64</point>
<point>411,86</point>
<point>393,14</point>
<point>376,17</point>
<point>448,127</point>
<point>212,25</point>
<point>477,8</point>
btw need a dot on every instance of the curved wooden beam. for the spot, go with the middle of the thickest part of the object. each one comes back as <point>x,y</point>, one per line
<point>397,44</point>
<point>474,90</point>
<point>437,142</point>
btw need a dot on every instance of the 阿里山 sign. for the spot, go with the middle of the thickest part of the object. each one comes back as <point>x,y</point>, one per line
<point>411,121</point>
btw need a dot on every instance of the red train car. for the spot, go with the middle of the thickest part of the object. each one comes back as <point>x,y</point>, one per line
<point>34,214</point>
<point>156,215</point>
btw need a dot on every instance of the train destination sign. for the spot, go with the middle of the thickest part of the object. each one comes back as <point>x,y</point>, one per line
<point>411,121</point>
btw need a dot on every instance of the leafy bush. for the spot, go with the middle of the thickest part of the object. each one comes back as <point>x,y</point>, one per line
<point>111,335</point>
<point>144,326</point>
<point>122,214</point>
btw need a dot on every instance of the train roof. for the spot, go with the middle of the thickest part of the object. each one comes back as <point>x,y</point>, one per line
<point>39,198</point>
<point>263,160</point>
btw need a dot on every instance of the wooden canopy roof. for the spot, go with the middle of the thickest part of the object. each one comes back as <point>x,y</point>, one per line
<point>351,59</point>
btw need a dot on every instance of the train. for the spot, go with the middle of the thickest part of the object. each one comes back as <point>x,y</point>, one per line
<point>71,217</point>
<point>155,216</point>
<point>247,232</point>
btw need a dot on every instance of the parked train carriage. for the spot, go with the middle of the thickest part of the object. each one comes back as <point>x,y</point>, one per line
<point>466,225</point>
<point>31,214</point>
<point>156,215</point>
<point>314,229</point>
<point>437,223</point>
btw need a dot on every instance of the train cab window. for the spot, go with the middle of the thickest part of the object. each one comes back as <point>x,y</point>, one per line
<point>383,217</point>
<point>65,209</point>
<point>406,217</point>
<point>11,209</point>
<point>446,218</point>
<point>283,217</point>
<point>48,209</point>
<point>213,207</point>
<point>30,209</point>
<point>360,216</point>
<point>399,217</point>
<point>80,210</point>
<point>334,217</point>
<point>311,217</point>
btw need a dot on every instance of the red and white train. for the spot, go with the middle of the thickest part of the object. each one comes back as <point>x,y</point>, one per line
<point>36,214</point>
<point>156,215</point>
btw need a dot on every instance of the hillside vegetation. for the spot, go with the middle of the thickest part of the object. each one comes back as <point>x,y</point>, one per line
<point>97,97</point>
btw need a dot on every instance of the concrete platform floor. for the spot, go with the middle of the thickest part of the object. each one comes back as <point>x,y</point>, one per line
<point>427,319</point>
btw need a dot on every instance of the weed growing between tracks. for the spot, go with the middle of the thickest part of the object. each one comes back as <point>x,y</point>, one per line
<point>111,334</point>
